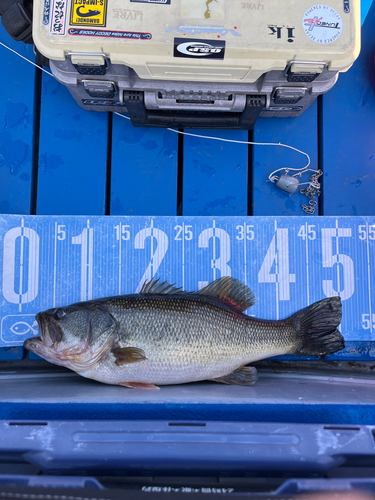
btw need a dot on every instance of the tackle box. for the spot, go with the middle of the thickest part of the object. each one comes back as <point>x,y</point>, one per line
<point>195,63</point>
<point>71,183</point>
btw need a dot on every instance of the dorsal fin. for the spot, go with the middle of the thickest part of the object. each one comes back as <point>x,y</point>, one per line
<point>230,291</point>
<point>153,286</point>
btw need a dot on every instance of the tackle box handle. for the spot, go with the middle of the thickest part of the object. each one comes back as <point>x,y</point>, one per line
<point>142,117</point>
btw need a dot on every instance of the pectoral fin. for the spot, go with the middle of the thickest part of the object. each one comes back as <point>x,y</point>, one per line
<point>126,355</point>
<point>246,375</point>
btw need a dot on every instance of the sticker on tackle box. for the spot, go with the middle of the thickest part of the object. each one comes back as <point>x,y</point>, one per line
<point>46,12</point>
<point>322,24</point>
<point>58,20</point>
<point>164,2</point>
<point>191,47</point>
<point>88,13</point>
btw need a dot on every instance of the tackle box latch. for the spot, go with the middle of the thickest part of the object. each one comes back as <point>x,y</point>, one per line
<point>87,63</point>
<point>304,71</point>
<point>288,95</point>
<point>100,88</point>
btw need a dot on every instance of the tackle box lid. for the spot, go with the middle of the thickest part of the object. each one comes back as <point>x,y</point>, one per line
<point>199,40</point>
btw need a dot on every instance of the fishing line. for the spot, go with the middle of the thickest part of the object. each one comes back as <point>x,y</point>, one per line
<point>285,182</point>
<point>242,142</point>
<point>25,58</point>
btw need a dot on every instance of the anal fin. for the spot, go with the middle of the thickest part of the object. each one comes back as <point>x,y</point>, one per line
<point>138,385</point>
<point>246,375</point>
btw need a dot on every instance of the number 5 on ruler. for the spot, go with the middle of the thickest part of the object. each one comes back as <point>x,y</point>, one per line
<point>330,237</point>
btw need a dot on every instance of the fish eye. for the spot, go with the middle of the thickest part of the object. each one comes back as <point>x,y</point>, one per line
<point>60,313</point>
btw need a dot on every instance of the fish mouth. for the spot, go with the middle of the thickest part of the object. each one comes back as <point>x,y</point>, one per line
<point>47,345</point>
<point>50,331</point>
<point>33,344</point>
<point>37,346</point>
<point>50,335</point>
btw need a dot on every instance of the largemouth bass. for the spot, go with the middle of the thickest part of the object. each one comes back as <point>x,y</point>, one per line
<point>164,335</point>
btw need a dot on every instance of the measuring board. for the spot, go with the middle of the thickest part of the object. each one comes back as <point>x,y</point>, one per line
<point>289,263</point>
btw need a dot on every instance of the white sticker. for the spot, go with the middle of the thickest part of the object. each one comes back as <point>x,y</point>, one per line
<point>322,24</point>
<point>58,20</point>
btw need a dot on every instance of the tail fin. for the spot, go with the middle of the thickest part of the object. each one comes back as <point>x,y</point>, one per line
<point>317,328</point>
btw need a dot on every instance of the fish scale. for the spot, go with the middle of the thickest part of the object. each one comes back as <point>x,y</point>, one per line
<point>164,335</point>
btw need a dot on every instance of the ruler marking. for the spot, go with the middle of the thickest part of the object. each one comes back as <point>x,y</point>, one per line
<point>84,265</point>
<point>183,255</point>
<point>152,249</point>
<point>55,267</point>
<point>90,234</point>
<point>369,274</point>
<point>214,249</point>
<point>120,259</point>
<point>245,257</point>
<point>277,273</point>
<point>307,268</point>
<point>21,266</point>
<point>337,259</point>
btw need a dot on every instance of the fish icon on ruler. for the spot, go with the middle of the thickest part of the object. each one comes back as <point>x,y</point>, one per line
<point>21,328</point>
<point>15,328</point>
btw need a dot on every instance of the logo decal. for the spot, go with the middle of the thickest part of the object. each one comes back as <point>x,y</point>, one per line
<point>189,47</point>
<point>101,102</point>
<point>46,12</point>
<point>127,14</point>
<point>282,32</point>
<point>110,34</point>
<point>284,108</point>
<point>164,2</point>
<point>197,29</point>
<point>322,24</point>
<point>252,6</point>
<point>88,12</point>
